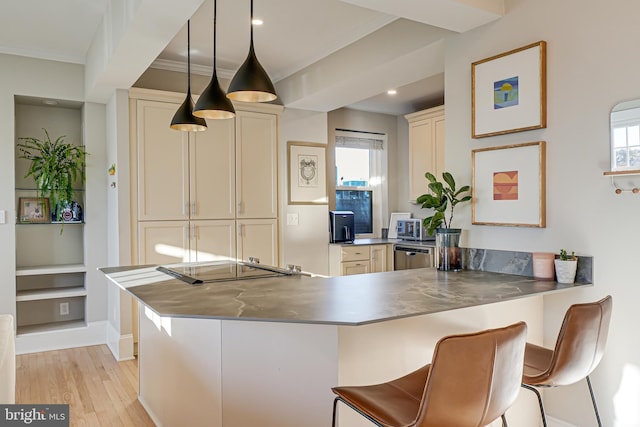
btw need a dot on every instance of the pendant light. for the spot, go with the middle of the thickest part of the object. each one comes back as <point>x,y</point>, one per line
<point>213,103</point>
<point>251,82</point>
<point>184,119</point>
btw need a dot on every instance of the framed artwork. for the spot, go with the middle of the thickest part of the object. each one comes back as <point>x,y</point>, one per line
<point>509,92</point>
<point>508,185</point>
<point>307,173</point>
<point>34,210</point>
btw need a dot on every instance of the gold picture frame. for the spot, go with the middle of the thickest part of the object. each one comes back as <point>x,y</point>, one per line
<point>509,92</point>
<point>307,162</point>
<point>509,185</point>
<point>34,210</point>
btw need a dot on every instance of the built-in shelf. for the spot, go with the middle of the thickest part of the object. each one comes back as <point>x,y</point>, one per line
<point>40,294</point>
<point>52,222</point>
<point>50,327</point>
<point>622,173</point>
<point>51,269</point>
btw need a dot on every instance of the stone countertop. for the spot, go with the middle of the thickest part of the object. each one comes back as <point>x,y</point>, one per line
<point>344,300</point>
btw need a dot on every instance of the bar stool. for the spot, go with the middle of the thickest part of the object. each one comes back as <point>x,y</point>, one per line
<point>578,351</point>
<point>472,380</point>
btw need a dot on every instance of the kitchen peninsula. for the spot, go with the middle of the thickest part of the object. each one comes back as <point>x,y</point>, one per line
<point>266,351</point>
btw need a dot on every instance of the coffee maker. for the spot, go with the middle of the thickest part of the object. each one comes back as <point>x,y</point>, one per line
<point>341,227</point>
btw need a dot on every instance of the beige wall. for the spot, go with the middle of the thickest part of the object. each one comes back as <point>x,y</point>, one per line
<point>592,65</point>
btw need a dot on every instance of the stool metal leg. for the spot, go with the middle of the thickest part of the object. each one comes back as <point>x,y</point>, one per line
<point>533,389</point>
<point>333,421</point>
<point>504,421</point>
<point>593,400</point>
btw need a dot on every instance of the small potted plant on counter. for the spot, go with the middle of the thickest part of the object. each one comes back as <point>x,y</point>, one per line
<point>444,195</point>
<point>566,267</point>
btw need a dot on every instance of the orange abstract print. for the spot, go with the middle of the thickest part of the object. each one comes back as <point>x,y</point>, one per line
<point>505,185</point>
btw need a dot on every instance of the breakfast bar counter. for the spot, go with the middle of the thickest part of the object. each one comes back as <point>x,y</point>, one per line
<point>266,351</point>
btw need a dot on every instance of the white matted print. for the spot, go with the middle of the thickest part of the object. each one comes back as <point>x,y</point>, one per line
<point>307,173</point>
<point>508,92</point>
<point>508,185</point>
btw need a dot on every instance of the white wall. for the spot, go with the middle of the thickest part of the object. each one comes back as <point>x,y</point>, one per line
<point>305,244</point>
<point>30,77</point>
<point>592,65</point>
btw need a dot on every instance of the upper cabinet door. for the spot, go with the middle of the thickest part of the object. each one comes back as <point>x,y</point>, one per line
<point>212,171</point>
<point>162,163</point>
<point>426,148</point>
<point>256,165</point>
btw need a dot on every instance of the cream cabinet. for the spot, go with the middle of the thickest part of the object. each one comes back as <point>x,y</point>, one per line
<point>426,148</point>
<point>258,238</point>
<point>167,242</point>
<point>256,162</point>
<point>183,175</point>
<point>346,260</point>
<point>201,195</point>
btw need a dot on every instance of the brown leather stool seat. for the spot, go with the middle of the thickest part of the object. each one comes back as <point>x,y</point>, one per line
<point>578,351</point>
<point>471,381</point>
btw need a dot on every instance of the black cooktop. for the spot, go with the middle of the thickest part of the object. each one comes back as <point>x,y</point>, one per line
<point>219,271</point>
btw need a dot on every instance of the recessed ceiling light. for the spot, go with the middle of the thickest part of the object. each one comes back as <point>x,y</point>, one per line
<point>257,21</point>
<point>391,92</point>
<point>49,102</point>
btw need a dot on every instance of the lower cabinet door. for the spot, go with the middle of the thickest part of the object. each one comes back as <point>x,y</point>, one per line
<point>258,238</point>
<point>379,258</point>
<point>355,267</point>
<point>213,240</point>
<point>163,242</point>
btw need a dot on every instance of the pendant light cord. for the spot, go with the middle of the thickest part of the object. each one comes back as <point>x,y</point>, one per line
<point>189,56</point>
<point>214,35</point>
<point>251,23</point>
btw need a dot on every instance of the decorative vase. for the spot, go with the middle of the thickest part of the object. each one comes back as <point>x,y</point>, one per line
<point>448,253</point>
<point>566,270</point>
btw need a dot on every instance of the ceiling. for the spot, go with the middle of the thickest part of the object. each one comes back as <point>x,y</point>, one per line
<point>321,54</point>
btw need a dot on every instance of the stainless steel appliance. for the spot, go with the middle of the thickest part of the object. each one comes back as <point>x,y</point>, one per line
<point>412,229</point>
<point>341,227</point>
<point>408,257</point>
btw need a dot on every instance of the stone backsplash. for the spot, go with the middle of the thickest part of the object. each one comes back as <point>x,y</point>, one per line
<point>518,263</point>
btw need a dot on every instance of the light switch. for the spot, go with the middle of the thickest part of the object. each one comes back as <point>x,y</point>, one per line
<point>292,219</point>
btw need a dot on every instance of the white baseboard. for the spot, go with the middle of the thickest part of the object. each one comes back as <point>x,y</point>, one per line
<point>121,346</point>
<point>151,414</point>
<point>93,333</point>
<point>554,422</point>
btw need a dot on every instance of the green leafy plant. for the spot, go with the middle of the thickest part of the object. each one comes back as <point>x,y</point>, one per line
<point>442,195</point>
<point>55,166</point>
<point>566,257</point>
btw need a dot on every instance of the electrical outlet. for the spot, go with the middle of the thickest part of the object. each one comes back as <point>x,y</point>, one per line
<point>292,219</point>
<point>64,309</point>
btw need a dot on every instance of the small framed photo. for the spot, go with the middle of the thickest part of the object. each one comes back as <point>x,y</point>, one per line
<point>508,185</point>
<point>509,92</point>
<point>307,173</point>
<point>34,210</point>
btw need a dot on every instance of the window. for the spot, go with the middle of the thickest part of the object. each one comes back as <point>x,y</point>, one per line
<point>360,185</point>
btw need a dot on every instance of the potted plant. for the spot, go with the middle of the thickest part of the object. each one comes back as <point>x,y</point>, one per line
<point>55,167</point>
<point>444,195</point>
<point>566,267</point>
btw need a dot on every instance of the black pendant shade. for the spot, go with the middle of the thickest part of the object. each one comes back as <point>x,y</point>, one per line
<point>213,102</point>
<point>184,119</point>
<point>251,82</point>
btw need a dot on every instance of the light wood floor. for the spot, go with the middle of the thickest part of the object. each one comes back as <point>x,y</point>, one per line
<point>99,390</point>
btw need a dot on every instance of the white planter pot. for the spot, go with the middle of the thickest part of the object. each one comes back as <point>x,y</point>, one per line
<point>566,270</point>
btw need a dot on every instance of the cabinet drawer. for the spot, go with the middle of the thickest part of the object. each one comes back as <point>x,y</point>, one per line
<point>355,253</point>
<point>355,267</point>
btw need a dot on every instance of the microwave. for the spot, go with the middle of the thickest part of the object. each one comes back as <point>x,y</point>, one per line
<point>412,229</point>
